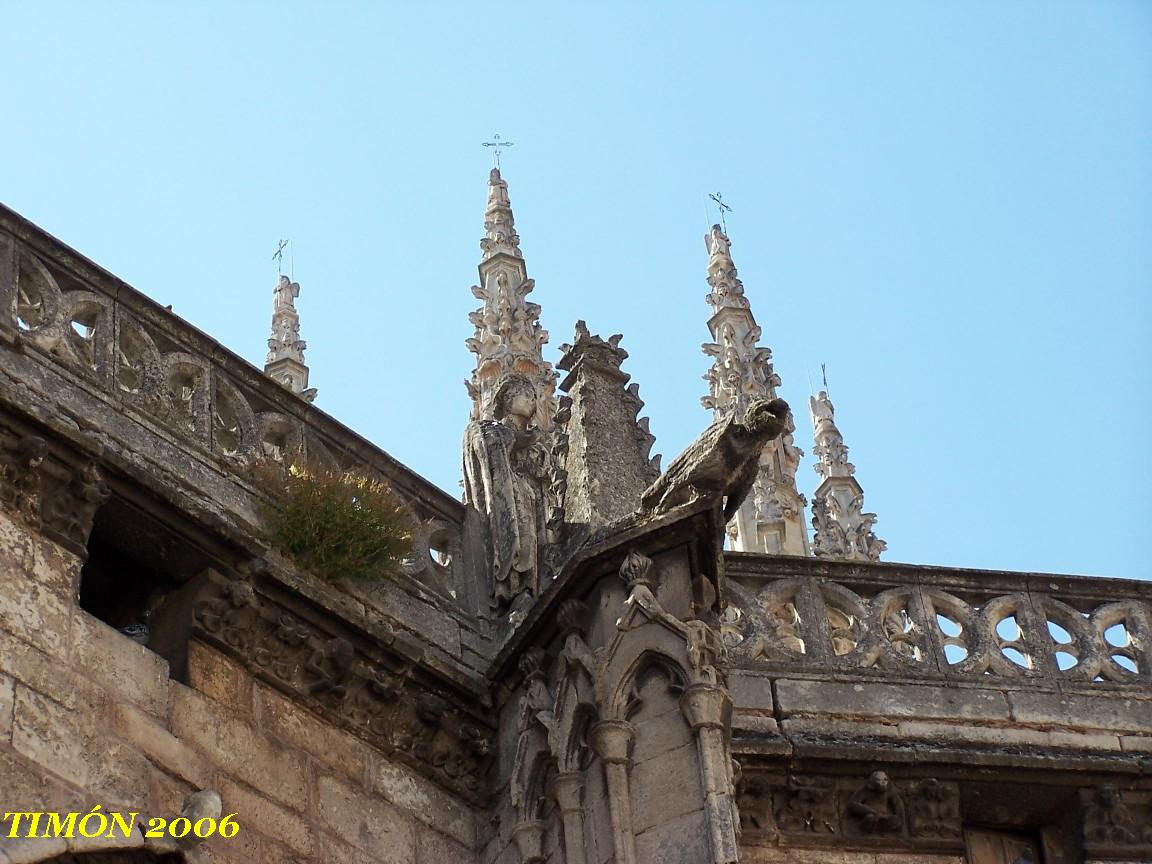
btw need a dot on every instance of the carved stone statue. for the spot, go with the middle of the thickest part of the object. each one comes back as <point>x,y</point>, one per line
<point>876,807</point>
<point>1108,820</point>
<point>285,293</point>
<point>505,469</point>
<point>724,460</point>
<point>718,244</point>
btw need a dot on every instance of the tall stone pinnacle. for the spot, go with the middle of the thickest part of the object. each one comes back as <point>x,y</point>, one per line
<point>285,362</point>
<point>841,528</point>
<point>772,518</point>
<point>508,335</point>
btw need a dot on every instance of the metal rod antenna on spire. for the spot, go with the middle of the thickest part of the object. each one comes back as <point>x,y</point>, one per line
<point>496,144</point>
<point>718,197</point>
<point>278,257</point>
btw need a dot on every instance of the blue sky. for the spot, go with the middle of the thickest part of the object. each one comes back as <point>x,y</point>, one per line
<point>949,204</point>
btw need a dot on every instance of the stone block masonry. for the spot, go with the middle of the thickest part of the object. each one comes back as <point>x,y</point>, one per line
<point>88,716</point>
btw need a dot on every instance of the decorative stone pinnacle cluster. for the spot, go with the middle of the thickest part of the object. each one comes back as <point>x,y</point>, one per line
<point>840,527</point>
<point>285,362</point>
<point>772,518</point>
<point>508,336</point>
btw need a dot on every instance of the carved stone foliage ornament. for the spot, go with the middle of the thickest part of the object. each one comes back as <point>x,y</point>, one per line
<point>59,500</point>
<point>1117,823</point>
<point>379,699</point>
<point>808,808</point>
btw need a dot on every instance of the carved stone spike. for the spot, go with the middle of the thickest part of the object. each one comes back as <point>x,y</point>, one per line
<point>841,527</point>
<point>508,336</point>
<point>741,373</point>
<point>608,461</point>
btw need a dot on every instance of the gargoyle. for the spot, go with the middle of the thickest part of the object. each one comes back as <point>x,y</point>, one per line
<point>723,461</point>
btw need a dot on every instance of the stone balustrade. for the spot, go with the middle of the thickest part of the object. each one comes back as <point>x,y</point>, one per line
<point>899,620</point>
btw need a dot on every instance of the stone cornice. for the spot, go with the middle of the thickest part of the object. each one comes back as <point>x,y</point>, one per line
<point>354,670</point>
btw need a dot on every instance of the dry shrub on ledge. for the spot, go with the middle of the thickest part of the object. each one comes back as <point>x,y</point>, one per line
<point>338,525</point>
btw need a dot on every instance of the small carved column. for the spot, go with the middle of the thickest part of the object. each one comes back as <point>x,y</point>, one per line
<point>612,741</point>
<point>708,710</point>
<point>8,275</point>
<point>529,839</point>
<point>568,789</point>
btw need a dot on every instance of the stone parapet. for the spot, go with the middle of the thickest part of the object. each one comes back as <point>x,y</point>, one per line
<point>87,353</point>
<point>1015,631</point>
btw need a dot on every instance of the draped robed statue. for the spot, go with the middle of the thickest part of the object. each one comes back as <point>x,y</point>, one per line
<point>505,466</point>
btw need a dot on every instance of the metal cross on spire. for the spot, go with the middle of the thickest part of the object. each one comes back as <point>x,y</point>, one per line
<point>496,144</point>
<point>718,197</point>
<point>278,256</point>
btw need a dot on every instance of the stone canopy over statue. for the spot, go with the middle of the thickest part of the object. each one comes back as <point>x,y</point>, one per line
<point>505,466</point>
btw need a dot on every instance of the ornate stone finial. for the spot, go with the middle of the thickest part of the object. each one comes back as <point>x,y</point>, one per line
<point>842,529</point>
<point>772,518</point>
<point>285,363</point>
<point>508,336</point>
<point>635,570</point>
<point>727,289</point>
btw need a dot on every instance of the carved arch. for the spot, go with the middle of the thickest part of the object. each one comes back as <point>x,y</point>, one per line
<point>625,697</point>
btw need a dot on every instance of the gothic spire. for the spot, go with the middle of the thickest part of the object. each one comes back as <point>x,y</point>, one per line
<point>285,362</point>
<point>841,528</point>
<point>508,335</point>
<point>772,518</point>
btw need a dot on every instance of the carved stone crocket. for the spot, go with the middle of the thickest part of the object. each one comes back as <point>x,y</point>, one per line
<point>723,461</point>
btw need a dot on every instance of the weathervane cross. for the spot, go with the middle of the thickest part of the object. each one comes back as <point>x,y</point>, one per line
<point>718,197</point>
<point>496,144</point>
<point>278,255</point>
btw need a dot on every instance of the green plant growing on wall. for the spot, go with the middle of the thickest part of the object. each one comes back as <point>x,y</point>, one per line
<point>338,524</point>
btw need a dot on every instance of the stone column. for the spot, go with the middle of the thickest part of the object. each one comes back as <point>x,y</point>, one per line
<point>612,741</point>
<point>708,710</point>
<point>567,789</point>
<point>529,840</point>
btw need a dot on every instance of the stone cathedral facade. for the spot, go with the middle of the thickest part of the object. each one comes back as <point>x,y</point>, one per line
<point>587,659</point>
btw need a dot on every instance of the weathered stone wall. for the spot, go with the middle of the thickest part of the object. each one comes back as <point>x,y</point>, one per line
<point>88,716</point>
